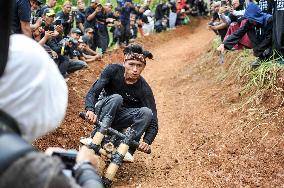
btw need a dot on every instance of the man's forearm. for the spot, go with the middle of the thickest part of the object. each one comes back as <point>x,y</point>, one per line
<point>26,28</point>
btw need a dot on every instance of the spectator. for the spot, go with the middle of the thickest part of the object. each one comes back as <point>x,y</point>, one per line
<point>90,22</point>
<point>101,19</point>
<point>65,17</point>
<point>88,38</point>
<point>220,27</point>
<point>80,17</point>
<point>172,14</point>
<point>259,30</point>
<point>82,48</point>
<point>49,4</point>
<point>148,24</point>
<point>22,17</point>
<point>35,21</point>
<point>125,20</point>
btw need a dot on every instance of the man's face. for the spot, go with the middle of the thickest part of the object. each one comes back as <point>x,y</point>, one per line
<point>80,5</point>
<point>133,69</point>
<point>90,34</point>
<point>67,8</point>
<point>48,19</point>
<point>82,46</point>
<point>75,36</point>
<point>235,3</point>
<point>34,5</point>
<point>52,3</point>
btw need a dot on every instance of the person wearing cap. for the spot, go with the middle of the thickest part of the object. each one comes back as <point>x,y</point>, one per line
<point>88,38</point>
<point>65,17</point>
<point>126,97</point>
<point>21,18</point>
<point>48,18</point>
<point>75,33</point>
<point>259,29</point>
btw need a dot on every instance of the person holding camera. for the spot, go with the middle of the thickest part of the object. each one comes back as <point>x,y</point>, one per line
<point>66,17</point>
<point>33,102</point>
<point>122,93</point>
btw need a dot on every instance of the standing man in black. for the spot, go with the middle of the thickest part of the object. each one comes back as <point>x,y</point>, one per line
<point>127,98</point>
<point>80,17</point>
<point>91,22</point>
<point>65,17</point>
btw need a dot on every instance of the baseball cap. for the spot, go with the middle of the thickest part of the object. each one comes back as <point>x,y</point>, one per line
<point>48,12</point>
<point>76,30</point>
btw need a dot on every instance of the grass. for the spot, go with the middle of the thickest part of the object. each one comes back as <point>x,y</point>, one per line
<point>255,82</point>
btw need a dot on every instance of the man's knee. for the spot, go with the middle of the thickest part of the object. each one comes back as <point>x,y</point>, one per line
<point>116,98</point>
<point>146,113</point>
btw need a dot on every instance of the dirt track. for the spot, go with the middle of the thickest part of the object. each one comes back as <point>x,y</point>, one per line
<point>202,141</point>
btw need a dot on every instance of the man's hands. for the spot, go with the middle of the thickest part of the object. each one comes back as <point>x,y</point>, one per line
<point>91,117</point>
<point>221,48</point>
<point>143,146</point>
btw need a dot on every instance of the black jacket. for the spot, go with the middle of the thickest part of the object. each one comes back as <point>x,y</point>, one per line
<point>134,96</point>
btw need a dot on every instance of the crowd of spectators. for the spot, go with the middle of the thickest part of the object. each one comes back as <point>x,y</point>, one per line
<point>248,24</point>
<point>79,34</point>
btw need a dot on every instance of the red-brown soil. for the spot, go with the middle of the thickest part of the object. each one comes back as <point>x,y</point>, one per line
<point>204,139</point>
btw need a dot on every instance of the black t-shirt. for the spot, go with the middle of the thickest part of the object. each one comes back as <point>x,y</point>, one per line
<point>22,12</point>
<point>40,11</point>
<point>134,96</point>
<point>92,23</point>
<point>80,18</point>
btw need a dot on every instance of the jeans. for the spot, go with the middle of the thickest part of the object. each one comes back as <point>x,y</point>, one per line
<point>136,118</point>
<point>75,64</point>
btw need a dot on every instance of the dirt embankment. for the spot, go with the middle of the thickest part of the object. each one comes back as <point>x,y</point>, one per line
<point>204,140</point>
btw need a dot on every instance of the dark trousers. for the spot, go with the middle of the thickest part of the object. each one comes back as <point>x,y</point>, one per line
<point>103,37</point>
<point>126,32</point>
<point>136,118</point>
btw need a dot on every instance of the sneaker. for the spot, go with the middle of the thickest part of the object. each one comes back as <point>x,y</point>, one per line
<point>86,141</point>
<point>128,158</point>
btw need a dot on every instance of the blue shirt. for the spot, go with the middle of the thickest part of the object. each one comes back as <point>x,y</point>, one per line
<point>22,12</point>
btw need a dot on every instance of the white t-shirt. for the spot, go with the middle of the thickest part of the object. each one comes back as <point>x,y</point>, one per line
<point>32,89</point>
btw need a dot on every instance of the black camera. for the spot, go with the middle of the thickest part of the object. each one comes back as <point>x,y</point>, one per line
<point>74,11</point>
<point>51,28</point>
<point>68,158</point>
<point>58,22</point>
